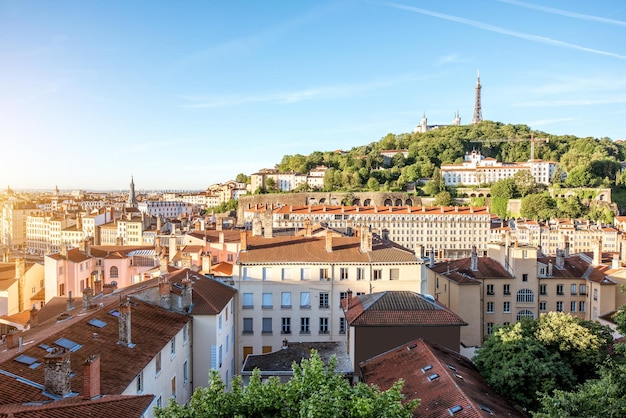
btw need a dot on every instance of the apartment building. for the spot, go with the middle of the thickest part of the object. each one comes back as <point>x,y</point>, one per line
<point>288,181</point>
<point>21,287</point>
<point>165,209</point>
<point>102,349</point>
<point>572,235</point>
<point>290,287</point>
<point>450,232</point>
<point>518,281</point>
<point>477,169</point>
<point>13,224</point>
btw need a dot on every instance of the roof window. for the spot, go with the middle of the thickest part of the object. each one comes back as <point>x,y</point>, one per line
<point>455,409</point>
<point>433,377</point>
<point>426,368</point>
<point>68,344</point>
<point>486,409</point>
<point>97,323</point>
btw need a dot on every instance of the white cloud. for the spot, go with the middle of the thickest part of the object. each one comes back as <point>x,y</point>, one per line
<point>565,13</point>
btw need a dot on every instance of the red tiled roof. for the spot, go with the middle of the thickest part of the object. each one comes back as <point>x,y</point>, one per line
<point>209,296</point>
<point>102,407</point>
<point>369,210</point>
<point>460,270</point>
<point>152,329</point>
<point>290,249</point>
<point>458,382</point>
<point>398,308</point>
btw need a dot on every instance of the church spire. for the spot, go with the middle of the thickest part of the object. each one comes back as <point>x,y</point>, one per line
<point>132,198</point>
<point>478,114</point>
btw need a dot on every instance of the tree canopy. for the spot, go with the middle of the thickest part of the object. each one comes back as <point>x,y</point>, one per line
<point>555,351</point>
<point>316,390</point>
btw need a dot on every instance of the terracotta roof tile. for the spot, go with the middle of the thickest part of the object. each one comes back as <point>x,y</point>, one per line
<point>398,308</point>
<point>454,382</point>
<point>209,296</point>
<point>460,270</point>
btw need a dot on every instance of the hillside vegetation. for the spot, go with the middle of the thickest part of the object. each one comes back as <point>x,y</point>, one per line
<point>588,162</point>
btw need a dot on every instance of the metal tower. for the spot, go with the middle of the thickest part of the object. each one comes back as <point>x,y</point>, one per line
<point>478,114</point>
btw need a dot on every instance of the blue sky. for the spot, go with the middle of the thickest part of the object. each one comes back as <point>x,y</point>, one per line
<point>185,94</point>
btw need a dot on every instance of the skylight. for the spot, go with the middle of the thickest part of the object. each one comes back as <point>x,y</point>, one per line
<point>486,409</point>
<point>455,409</point>
<point>45,347</point>
<point>451,367</point>
<point>114,312</point>
<point>97,323</point>
<point>433,377</point>
<point>68,344</point>
<point>426,368</point>
<point>28,360</point>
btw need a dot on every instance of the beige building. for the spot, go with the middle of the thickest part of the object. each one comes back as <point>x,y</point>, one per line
<point>517,281</point>
<point>291,287</point>
<point>449,232</point>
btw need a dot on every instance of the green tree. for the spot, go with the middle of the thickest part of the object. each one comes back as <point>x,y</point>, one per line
<point>504,188</point>
<point>538,207</point>
<point>555,351</point>
<point>373,184</point>
<point>436,184</point>
<point>443,198</point>
<point>270,185</point>
<point>242,178</point>
<point>524,182</point>
<point>499,206</point>
<point>581,176</point>
<point>315,390</point>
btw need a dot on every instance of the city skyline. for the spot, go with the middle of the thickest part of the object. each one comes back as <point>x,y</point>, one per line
<point>181,96</point>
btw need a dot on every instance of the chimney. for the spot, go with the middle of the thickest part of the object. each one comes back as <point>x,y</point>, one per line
<point>597,253</point>
<point>125,324</point>
<point>221,237</point>
<point>560,259</point>
<point>219,224</point>
<point>285,344</point>
<point>257,226</point>
<point>91,377</point>
<point>172,247</point>
<point>70,301</point>
<point>187,293</point>
<point>34,316</point>
<point>63,250</point>
<point>243,240</point>
<point>164,292</point>
<point>57,372</point>
<point>474,259</point>
<point>366,240</point>
<point>329,241</point>
<point>87,297</point>
<point>13,339</point>
<point>157,245</point>
<point>98,284</point>
<point>307,228</point>
<point>550,268</point>
<point>206,263</point>
<point>431,258</point>
<point>88,247</point>
<point>615,264</point>
<point>268,229</point>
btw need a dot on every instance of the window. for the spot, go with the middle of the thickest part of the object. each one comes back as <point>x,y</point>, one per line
<point>489,307</point>
<point>157,362</point>
<point>378,274</point>
<point>394,274</point>
<point>267,273</point>
<point>247,326</point>
<point>360,273</point>
<point>525,296</point>
<point>542,306</point>
<point>229,258</point>
<point>572,289</point>
<point>60,270</point>
<point>559,306</point>
<point>140,382</point>
<point>305,326</point>
<point>582,289</point>
<point>543,289</point>
<point>573,306</point>
<point>174,387</point>
<point>248,301</point>
<point>267,326</point>
<point>246,274</point>
<point>507,307</point>
<point>246,352</point>
<point>113,272</point>
<point>524,277</point>
<point>525,313</point>
<point>559,290</point>
<point>324,325</point>
<point>159,402</point>
<point>342,296</point>
<point>582,306</point>
<point>324,274</point>
<point>342,325</point>
<point>343,273</point>
<point>305,274</point>
<point>267,301</point>
<point>186,372</point>
<point>506,289</point>
<point>173,347</point>
<point>305,299</point>
<point>285,300</point>
<point>489,327</point>
<point>324,300</point>
<point>285,326</point>
<point>490,290</point>
<point>595,294</point>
